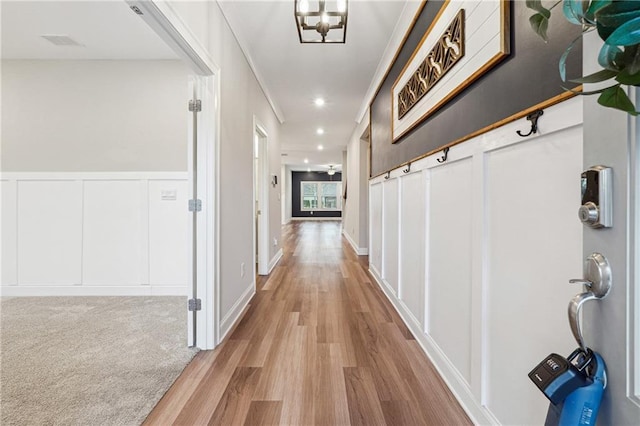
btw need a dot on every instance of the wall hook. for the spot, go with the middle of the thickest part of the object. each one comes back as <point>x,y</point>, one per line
<point>388,175</point>
<point>408,169</point>
<point>533,118</point>
<point>444,156</point>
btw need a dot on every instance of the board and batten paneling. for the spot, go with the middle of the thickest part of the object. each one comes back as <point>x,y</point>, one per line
<point>450,261</point>
<point>412,244</point>
<point>390,230</point>
<point>502,239</point>
<point>534,248</point>
<point>375,223</point>
<point>94,234</point>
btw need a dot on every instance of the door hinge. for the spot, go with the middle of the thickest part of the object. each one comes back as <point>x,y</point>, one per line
<point>195,304</point>
<point>195,205</point>
<point>195,106</point>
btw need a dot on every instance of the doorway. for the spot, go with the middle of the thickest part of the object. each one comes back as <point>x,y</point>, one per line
<point>261,198</point>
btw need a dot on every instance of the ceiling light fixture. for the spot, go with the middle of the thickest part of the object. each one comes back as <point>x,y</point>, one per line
<point>331,171</point>
<point>320,131</point>
<point>319,102</point>
<point>320,147</point>
<point>306,160</point>
<point>314,19</point>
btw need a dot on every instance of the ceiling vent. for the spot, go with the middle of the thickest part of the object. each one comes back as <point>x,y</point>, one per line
<point>284,154</point>
<point>60,40</point>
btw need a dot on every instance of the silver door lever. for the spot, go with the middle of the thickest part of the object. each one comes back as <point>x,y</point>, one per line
<point>597,279</point>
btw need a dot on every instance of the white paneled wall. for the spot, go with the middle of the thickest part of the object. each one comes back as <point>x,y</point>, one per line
<point>94,234</point>
<point>483,246</point>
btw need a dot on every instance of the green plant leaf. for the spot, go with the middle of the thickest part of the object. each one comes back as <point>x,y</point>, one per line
<point>594,8</point>
<point>626,34</point>
<point>562,65</point>
<point>628,78</point>
<point>537,6</point>
<point>596,77</point>
<point>615,97</point>
<point>539,23</point>
<point>574,10</point>
<point>615,14</point>
<point>609,56</point>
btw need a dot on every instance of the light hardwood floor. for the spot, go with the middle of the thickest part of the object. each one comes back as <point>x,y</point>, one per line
<point>319,345</point>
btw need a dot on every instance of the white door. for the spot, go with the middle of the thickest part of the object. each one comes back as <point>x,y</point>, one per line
<point>611,326</point>
<point>261,197</point>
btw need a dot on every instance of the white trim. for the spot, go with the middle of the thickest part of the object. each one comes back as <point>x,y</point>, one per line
<point>236,312</point>
<point>94,176</point>
<point>262,231</point>
<point>360,251</point>
<point>275,260</point>
<point>454,381</point>
<point>48,290</point>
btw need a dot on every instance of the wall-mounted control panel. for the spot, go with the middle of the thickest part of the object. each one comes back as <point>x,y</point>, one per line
<point>597,197</point>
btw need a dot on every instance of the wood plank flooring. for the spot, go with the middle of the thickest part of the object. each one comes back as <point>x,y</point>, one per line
<point>319,345</point>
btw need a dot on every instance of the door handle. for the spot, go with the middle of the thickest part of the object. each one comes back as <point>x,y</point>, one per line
<point>597,279</point>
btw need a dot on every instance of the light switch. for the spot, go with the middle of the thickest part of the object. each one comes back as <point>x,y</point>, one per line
<point>169,194</point>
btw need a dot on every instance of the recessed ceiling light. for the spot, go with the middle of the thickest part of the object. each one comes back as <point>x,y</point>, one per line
<point>306,160</point>
<point>319,102</point>
<point>308,169</point>
<point>320,131</point>
<point>320,147</point>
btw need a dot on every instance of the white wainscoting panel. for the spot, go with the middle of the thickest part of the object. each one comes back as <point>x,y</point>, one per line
<point>412,244</point>
<point>535,247</point>
<point>113,235</point>
<point>49,232</point>
<point>501,240</point>
<point>168,245</point>
<point>375,224</point>
<point>450,261</point>
<point>390,231</point>
<point>8,233</point>
<point>94,234</point>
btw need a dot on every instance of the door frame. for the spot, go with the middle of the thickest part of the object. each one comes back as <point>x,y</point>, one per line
<point>165,22</point>
<point>262,191</point>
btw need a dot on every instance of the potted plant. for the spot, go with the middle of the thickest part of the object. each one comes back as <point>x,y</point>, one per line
<point>618,25</point>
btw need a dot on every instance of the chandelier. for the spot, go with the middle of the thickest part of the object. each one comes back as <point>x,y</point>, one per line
<point>314,19</point>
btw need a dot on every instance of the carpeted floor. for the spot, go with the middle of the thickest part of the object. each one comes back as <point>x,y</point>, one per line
<point>88,360</point>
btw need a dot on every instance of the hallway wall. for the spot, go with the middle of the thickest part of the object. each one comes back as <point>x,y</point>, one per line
<point>241,98</point>
<point>476,254</point>
<point>356,216</point>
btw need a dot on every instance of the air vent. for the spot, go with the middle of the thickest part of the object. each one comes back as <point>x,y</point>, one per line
<point>60,40</point>
<point>284,154</point>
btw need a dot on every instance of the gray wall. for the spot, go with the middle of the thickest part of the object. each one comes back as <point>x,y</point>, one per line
<point>296,179</point>
<point>527,77</point>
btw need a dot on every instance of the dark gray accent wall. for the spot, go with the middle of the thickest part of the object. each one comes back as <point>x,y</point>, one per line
<point>527,77</point>
<point>296,179</point>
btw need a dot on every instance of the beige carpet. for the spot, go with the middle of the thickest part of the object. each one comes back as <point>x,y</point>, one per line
<point>88,360</point>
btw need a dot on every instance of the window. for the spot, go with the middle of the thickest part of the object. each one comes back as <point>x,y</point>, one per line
<point>321,196</point>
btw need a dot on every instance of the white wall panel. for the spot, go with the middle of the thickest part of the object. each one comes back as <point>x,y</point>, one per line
<point>412,244</point>
<point>112,243</point>
<point>49,232</point>
<point>534,248</point>
<point>8,233</point>
<point>451,261</point>
<point>390,230</point>
<point>168,233</point>
<point>375,206</point>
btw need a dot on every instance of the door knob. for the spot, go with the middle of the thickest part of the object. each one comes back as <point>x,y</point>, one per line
<point>597,279</point>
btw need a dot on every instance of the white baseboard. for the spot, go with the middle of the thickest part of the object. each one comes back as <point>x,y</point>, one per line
<point>360,251</point>
<point>49,290</point>
<point>317,218</point>
<point>275,261</point>
<point>454,381</point>
<point>235,313</point>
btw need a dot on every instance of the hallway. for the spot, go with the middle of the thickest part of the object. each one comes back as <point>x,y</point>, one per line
<point>319,344</point>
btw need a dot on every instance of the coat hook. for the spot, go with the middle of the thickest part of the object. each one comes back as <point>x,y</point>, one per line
<point>533,117</point>
<point>388,175</point>
<point>408,169</point>
<point>444,157</point>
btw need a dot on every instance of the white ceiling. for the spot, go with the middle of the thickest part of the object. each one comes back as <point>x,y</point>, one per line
<point>90,23</point>
<point>294,74</point>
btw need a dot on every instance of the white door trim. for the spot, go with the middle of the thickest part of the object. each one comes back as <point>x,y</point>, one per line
<point>263,197</point>
<point>161,17</point>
